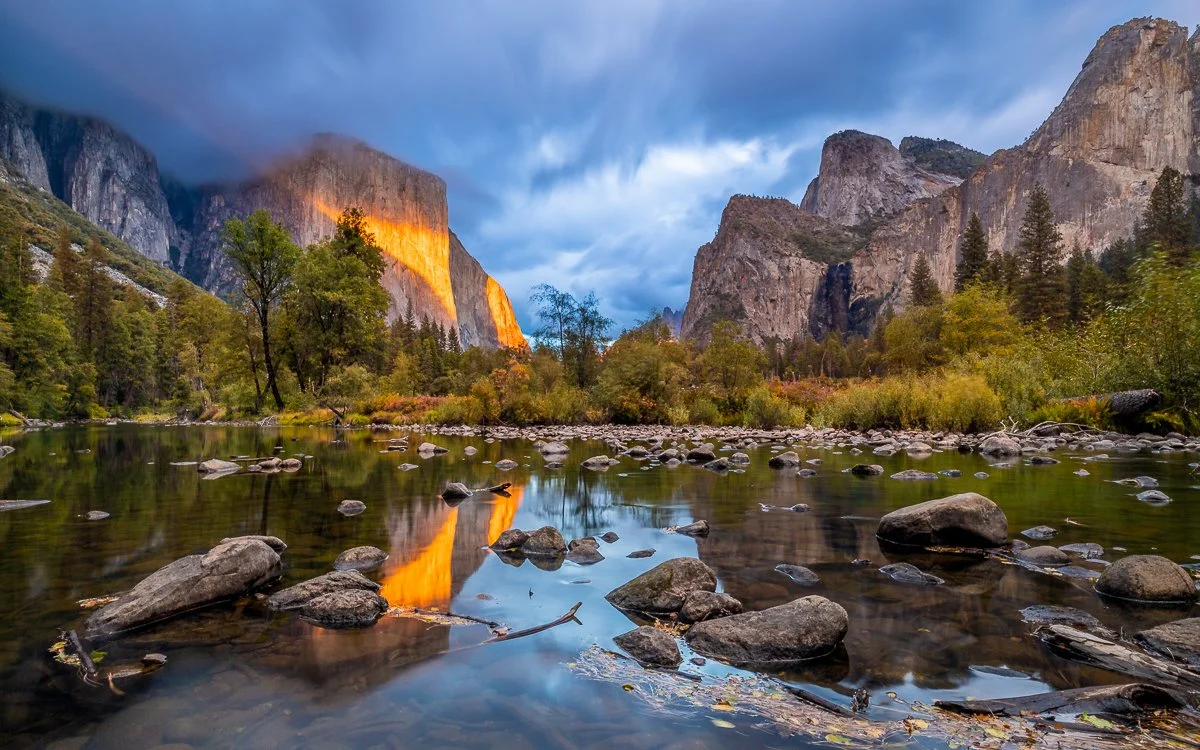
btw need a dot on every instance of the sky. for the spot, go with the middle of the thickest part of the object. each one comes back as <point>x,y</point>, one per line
<point>589,144</point>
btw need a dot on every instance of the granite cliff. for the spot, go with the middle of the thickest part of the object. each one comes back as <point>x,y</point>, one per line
<point>113,181</point>
<point>1133,109</point>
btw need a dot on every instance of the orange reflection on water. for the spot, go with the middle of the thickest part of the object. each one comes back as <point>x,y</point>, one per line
<point>503,513</point>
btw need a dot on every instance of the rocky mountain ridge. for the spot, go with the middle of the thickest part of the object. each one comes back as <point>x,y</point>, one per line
<point>1133,109</point>
<point>113,181</point>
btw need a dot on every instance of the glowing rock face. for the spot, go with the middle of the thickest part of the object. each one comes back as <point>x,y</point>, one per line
<point>405,209</point>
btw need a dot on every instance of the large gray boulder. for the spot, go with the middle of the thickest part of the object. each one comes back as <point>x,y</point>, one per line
<point>699,606</point>
<point>554,449</point>
<point>456,491</point>
<point>545,542</point>
<point>1147,578</point>
<point>999,445</point>
<point>1179,640</point>
<point>650,646</point>
<point>801,629</point>
<point>295,597</point>
<point>350,608</point>
<point>784,460</point>
<point>510,540</point>
<point>969,520</point>
<point>360,558</point>
<point>232,568</point>
<point>217,466</point>
<point>663,588</point>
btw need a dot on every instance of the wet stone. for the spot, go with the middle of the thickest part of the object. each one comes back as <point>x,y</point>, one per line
<point>650,646</point>
<point>351,507</point>
<point>699,606</point>
<point>641,553</point>
<point>1045,556</point>
<point>913,475</point>
<point>1086,550</point>
<point>360,558</point>
<point>799,574</point>
<point>908,573</point>
<point>1040,533</point>
<point>1153,497</point>
<point>544,542</point>
<point>1047,614</point>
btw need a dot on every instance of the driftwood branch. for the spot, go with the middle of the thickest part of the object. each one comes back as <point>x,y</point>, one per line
<point>480,620</point>
<point>1117,657</point>
<point>85,658</point>
<point>568,617</point>
<point>1122,700</point>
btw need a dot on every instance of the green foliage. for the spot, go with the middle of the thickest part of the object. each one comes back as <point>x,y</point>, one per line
<point>731,365</point>
<point>1040,290</point>
<point>977,321</point>
<point>925,291</point>
<point>766,410</point>
<point>1167,224</point>
<point>941,156</point>
<point>950,401</point>
<point>644,371</point>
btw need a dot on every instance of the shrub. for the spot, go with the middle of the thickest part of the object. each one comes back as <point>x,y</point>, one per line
<point>765,410</point>
<point>704,411</point>
<point>456,410</point>
<point>939,401</point>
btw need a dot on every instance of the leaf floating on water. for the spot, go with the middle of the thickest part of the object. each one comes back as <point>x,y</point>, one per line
<point>628,687</point>
<point>722,706</point>
<point>98,601</point>
<point>98,656</point>
<point>838,739</point>
<point>915,725</point>
<point>723,724</point>
<point>997,733</point>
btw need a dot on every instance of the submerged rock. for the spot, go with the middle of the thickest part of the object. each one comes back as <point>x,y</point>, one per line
<point>351,608</point>
<point>695,528</point>
<point>351,507</point>
<point>545,542</point>
<point>1040,460</point>
<point>968,519</point>
<point>1039,533</point>
<point>1153,497</point>
<point>699,606</point>
<point>360,558</point>
<point>1046,556</point>
<point>866,470</point>
<point>1147,578</point>
<point>650,646</point>
<point>1178,641</point>
<point>97,515</point>
<point>554,449</point>
<point>641,553</point>
<point>719,465</point>
<point>663,588</point>
<point>429,449</point>
<point>230,569</point>
<point>217,466</point>
<point>799,574</point>
<point>1086,550</point>
<point>599,463</point>
<point>806,473</point>
<point>802,629</point>
<point>609,537</point>
<point>903,572</point>
<point>506,464</point>
<point>911,475</point>
<point>407,467</point>
<point>585,551</point>
<point>1047,614</point>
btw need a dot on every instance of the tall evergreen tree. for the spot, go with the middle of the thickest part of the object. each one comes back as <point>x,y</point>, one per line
<point>972,254</point>
<point>94,302</point>
<point>925,291</point>
<point>1041,289</point>
<point>1165,220</point>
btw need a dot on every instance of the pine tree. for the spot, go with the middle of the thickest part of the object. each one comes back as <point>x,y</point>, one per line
<point>94,302</point>
<point>925,292</point>
<point>973,254</point>
<point>452,341</point>
<point>1166,222</point>
<point>1041,289</point>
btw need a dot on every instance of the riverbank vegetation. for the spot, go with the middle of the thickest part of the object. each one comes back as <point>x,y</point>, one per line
<point>1024,337</point>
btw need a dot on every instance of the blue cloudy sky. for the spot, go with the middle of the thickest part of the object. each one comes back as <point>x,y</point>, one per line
<point>590,144</point>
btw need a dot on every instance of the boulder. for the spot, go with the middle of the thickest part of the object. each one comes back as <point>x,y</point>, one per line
<point>545,542</point>
<point>360,558</point>
<point>273,542</point>
<point>664,588</point>
<point>650,646</point>
<point>456,491</point>
<point>609,537</point>
<point>903,572</point>
<point>290,464</point>
<point>1147,578</point>
<point>640,553</point>
<point>784,460</point>
<point>866,470</point>
<point>719,465</point>
<point>217,466</point>
<point>1086,550</point>
<point>1039,533</point>
<point>1153,497</point>
<point>968,519</point>
<point>1179,640</point>
<point>232,568</point>
<point>294,597</point>
<point>506,464</point>
<point>353,608</point>
<point>554,449</point>
<point>999,445</point>
<point>351,507</point>
<point>799,574</point>
<point>701,455</point>
<point>740,459</point>
<point>803,629</point>
<point>510,540</point>
<point>599,463</point>
<point>699,606</point>
<point>913,475</point>
<point>430,449</point>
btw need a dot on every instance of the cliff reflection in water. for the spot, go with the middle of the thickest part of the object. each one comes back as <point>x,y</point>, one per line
<point>433,549</point>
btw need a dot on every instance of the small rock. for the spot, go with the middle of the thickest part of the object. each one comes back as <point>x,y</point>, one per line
<point>664,587</point>
<point>554,449</point>
<point>650,646</point>
<point>806,473</point>
<point>911,475</point>
<point>512,539</point>
<point>799,574</point>
<point>866,470</point>
<point>353,608</point>
<point>695,528</point>
<point>719,465</point>
<point>640,553</point>
<point>1046,556</point>
<point>456,491</point>
<point>784,460</point>
<point>1147,578</point>
<point>799,508</point>
<point>998,445</point>
<point>903,572</point>
<point>290,464</point>
<point>407,467</point>
<point>1039,460</point>
<point>429,449</point>
<point>1086,550</point>
<point>1039,533</point>
<point>506,464</point>
<point>217,466</point>
<point>1153,497</point>
<point>545,542</point>
<point>609,537</point>
<point>584,551</point>
<point>981,475</point>
<point>952,473</point>
<point>360,558</point>
<point>96,515</point>
<point>740,459</point>
<point>700,455</point>
<point>351,507</point>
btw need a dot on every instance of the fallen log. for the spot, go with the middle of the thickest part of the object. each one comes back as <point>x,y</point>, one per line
<point>1121,700</point>
<point>1092,649</point>
<point>568,617</point>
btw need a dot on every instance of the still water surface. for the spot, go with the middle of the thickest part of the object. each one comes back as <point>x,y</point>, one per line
<point>240,676</point>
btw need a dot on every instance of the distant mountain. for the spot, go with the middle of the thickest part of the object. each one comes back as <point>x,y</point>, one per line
<point>1133,109</point>
<point>114,182</point>
<point>673,319</point>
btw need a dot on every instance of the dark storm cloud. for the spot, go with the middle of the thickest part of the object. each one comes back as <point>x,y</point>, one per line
<point>589,144</point>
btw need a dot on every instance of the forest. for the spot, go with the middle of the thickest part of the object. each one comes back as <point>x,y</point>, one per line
<point>1035,332</point>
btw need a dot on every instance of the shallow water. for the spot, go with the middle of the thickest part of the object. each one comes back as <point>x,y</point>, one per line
<point>238,676</point>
